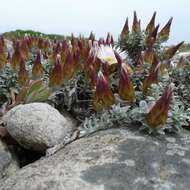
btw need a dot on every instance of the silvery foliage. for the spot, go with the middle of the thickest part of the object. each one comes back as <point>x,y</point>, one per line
<point>75,96</point>
<point>120,115</point>
<point>133,44</point>
<point>8,81</point>
<point>178,116</point>
<point>181,77</point>
<point>117,116</point>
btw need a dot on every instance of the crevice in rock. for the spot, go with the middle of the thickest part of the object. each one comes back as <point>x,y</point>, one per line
<point>24,156</point>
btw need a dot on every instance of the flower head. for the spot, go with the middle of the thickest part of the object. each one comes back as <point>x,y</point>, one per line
<point>139,63</point>
<point>125,30</point>
<point>149,55</point>
<point>121,60</point>
<point>91,66</point>
<point>64,51</point>
<point>56,76</point>
<point>110,55</point>
<point>2,41</point>
<point>126,89</point>
<point>157,116</point>
<point>23,77</point>
<point>46,45</point>
<point>25,49</point>
<point>92,59</point>
<point>104,97</point>
<point>170,52</point>
<point>76,56</point>
<point>92,36</point>
<point>70,66</point>
<point>40,43</point>
<point>37,70</point>
<point>92,75</point>
<point>3,58</point>
<point>109,40</point>
<point>56,50</point>
<point>84,48</point>
<point>151,25</point>
<point>151,39</point>
<point>65,45</point>
<point>136,27</point>
<point>152,77</point>
<point>17,55</point>
<point>101,41</point>
<point>165,32</point>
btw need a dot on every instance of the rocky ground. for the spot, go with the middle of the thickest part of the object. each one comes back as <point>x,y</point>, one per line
<point>114,159</point>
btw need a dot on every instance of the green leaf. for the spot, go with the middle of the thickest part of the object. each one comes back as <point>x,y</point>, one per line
<point>35,85</point>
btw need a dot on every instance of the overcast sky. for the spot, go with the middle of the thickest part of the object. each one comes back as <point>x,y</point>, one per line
<point>99,16</point>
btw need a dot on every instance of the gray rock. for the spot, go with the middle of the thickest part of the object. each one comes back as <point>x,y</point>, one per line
<point>115,159</point>
<point>184,55</point>
<point>37,126</point>
<point>8,163</point>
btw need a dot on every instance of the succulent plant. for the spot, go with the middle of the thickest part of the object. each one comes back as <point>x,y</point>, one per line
<point>158,115</point>
<point>125,88</point>
<point>56,76</point>
<point>23,77</point>
<point>102,84</point>
<point>104,97</point>
<point>35,91</point>
<point>3,56</point>
<point>37,69</point>
<point>148,41</point>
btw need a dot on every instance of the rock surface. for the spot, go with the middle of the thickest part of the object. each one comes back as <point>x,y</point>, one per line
<point>8,163</point>
<point>184,55</point>
<point>115,159</point>
<point>37,126</point>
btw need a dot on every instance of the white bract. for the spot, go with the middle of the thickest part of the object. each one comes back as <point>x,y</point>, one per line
<point>106,54</point>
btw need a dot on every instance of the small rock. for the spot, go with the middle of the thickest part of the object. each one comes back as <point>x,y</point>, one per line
<point>178,56</point>
<point>182,54</point>
<point>37,126</point>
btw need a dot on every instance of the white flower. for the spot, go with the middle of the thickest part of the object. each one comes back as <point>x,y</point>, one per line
<point>106,54</point>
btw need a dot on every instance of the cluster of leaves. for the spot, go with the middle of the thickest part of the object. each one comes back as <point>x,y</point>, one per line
<point>137,40</point>
<point>59,64</point>
<point>75,97</point>
<point>116,116</point>
<point>136,114</point>
<point>181,78</point>
<point>168,118</point>
<point>133,44</point>
<point>100,89</point>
